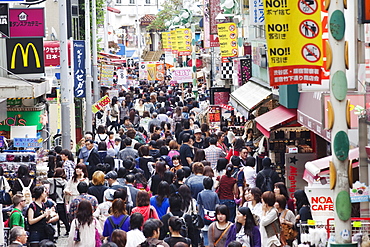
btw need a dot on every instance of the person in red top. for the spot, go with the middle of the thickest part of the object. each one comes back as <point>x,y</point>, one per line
<point>143,206</point>
<point>220,141</point>
<point>228,191</point>
<point>235,151</point>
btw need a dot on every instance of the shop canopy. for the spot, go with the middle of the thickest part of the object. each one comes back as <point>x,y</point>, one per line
<point>320,167</point>
<point>248,97</point>
<point>13,88</point>
<point>275,118</point>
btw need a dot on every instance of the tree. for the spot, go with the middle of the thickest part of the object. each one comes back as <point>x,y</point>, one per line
<point>171,8</point>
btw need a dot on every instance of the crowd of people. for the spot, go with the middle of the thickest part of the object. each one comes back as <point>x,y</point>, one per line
<point>151,174</point>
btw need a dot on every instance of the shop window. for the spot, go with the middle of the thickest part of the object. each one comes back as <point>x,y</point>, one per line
<point>118,1</point>
<point>147,2</point>
<point>131,1</point>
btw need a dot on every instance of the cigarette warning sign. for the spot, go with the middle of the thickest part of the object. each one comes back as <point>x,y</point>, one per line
<point>294,40</point>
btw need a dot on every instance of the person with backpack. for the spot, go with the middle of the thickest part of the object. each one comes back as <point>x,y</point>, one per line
<point>267,177</point>
<point>118,220</point>
<point>151,230</point>
<point>24,184</point>
<point>175,224</point>
<point>16,216</point>
<point>207,201</point>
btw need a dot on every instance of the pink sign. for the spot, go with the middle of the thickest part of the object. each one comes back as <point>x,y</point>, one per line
<point>182,74</point>
<point>27,22</point>
<point>52,53</point>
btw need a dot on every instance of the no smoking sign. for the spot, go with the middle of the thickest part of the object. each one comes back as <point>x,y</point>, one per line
<point>308,7</point>
<point>311,53</point>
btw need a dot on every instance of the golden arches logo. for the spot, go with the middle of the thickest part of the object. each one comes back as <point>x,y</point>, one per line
<point>25,55</point>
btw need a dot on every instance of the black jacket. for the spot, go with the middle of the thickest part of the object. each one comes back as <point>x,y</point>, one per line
<point>266,171</point>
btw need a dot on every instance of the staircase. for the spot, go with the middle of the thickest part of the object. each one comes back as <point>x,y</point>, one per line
<point>153,55</point>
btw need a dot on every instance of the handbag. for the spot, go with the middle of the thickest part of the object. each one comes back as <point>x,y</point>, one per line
<point>273,228</point>
<point>196,219</point>
<point>50,231</point>
<point>98,242</point>
<point>5,198</point>
<point>288,233</point>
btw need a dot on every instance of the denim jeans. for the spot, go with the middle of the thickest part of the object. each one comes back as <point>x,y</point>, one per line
<point>232,208</point>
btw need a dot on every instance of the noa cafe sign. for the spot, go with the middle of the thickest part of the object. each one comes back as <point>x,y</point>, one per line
<point>22,118</point>
<point>322,203</point>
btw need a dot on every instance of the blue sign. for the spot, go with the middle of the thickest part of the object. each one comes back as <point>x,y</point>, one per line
<point>1,141</point>
<point>79,69</point>
<point>12,1</point>
<point>27,143</point>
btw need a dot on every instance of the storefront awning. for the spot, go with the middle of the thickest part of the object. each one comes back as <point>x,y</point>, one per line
<point>318,167</point>
<point>277,116</point>
<point>248,97</point>
<point>12,88</point>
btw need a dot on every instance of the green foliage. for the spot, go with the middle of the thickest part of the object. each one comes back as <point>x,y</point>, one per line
<point>99,15</point>
<point>170,8</point>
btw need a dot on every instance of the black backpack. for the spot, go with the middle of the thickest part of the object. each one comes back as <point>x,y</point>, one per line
<point>184,227</point>
<point>54,195</point>
<point>267,184</point>
<point>115,226</point>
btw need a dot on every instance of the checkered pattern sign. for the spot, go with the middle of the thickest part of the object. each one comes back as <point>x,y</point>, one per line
<point>227,71</point>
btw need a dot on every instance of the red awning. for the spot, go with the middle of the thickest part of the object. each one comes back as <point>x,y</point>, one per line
<point>279,115</point>
<point>114,10</point>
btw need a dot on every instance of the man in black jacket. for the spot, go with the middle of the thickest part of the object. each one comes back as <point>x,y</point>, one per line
<point>267,177</point>
<point>93,158</point>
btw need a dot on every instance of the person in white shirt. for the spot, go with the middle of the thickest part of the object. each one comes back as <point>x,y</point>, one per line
<point>135,236</point>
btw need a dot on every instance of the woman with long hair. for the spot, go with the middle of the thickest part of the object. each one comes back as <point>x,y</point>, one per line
<point>140,107</point>
<point>123,111</point>
<point>143,206</point>
<point>244,230</point>
<point>280,189</point>
<point>176,163</point>
<point>219,229</point>
<point>199,156</point>
<point>173,146</point>
<point>228,191</point>
<point>178,130</point>
<point>119,218</point>
<point>114,114</point>
<point>79,175</point>
<point>143,160</point>
<point>237,148</point>
<point>23,180</point>
<point>160,168</point>
<point>189,203</point>
<point>160,201</point>
<point>303,209</point>
<point>101,135</point>
<point>220,142</point>
<point>84,227</point>
<point>252,200</point>
<point>57,185</point>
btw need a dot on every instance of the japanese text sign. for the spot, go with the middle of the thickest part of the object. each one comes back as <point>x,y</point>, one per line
<point>294,41</point>
<point>4,19</point>
<point>52,53</point>
<point>227,35</point>
<point>166,41</point>
<point>143,72</point>
<point>27,142</point>
<point>106,75</point>
<point>173,42</point>
<point>79,69</point>
<point>214,10</point>
<point>182,74</point>
<point>256,13</point>
<point>214,114</point>
<point>27,22</point>
<point>183,37</point>
<point>100,104</point>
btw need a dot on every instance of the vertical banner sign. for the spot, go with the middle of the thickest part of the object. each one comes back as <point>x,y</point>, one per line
<point>166,41</point>
<point>151,68</point>
<point>256,13</point>
<point>25,56</point>
<point>183,41</point>
<point>106,75</point>
<point>227,35</point>
<point>143,72</point>
<point>4,19</point>
<point>79,69</point>
<point>206,25</point>
<point>27,22</point>
<point>159,75</point>
<point>122,76</point>
<point>294,41</point>
<point>173,42</point>
<point>214,10</point>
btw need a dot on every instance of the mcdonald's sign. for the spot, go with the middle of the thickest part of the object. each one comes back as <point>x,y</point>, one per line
<point>25,56</point>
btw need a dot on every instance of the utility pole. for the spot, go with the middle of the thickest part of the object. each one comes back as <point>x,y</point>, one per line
<point>95,54</point>
<point>88,115</point>
<point>65,85</point>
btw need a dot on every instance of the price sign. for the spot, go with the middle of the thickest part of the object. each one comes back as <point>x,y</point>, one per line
<point>214,114</point>
<point>100,104</point>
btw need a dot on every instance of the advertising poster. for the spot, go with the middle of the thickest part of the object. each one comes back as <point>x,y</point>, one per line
<point>166,41</point>
<point>256,13</point>
<point>359,192</point>
<point>79,69</point>
<point>152,69</point>
<point>214,114</point>
<point>26,22</point>
<point>52,53</point>
<point>183,41</point>
<point>174,42</point>
<point>294,40</point>
<point>106,75</point>
<point>100,104</point>
<point>143,73</point>
<point>181,75</point>
<point>214,10</point>
<point>227,35</point>
<point>159,68</point>
<point>206,25</point>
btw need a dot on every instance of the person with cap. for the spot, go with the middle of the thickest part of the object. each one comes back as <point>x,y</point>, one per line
<point>266,172</point>
<point>111,178</point>
<point>198,141</point>
<point>128,151</point>
<point>82,188</point>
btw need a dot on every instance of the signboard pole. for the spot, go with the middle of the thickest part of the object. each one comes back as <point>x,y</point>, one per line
<point>95,53</point>
<point>64,84</point>
<point>88,116</point>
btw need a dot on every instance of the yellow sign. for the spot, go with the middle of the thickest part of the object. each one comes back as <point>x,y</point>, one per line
<point>357,224</point>
<point>152,70</point>
<point>25,55</point>
<point>294,41</point>
<point>173,42</point>
<point>227,35</point>
<point>311,222</point>
<point>166,41</point>
<point>183,36</point>
<point>100,104</point>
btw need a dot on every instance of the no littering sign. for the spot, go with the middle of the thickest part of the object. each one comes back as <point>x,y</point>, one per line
<point>308,7</point>
<point>311,53</point>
